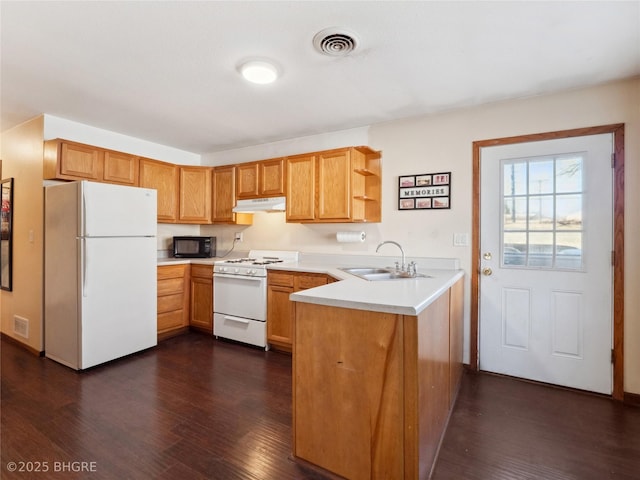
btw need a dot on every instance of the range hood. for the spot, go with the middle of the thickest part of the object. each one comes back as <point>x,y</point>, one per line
<point>271,204</point>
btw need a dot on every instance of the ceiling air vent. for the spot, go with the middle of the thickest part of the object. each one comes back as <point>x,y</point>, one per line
<point>334,41</point>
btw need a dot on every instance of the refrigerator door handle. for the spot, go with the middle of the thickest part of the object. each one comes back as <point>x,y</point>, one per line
<point>83,213</point>
<point>85,280</point>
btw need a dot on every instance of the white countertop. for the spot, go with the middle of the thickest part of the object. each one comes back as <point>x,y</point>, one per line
<point>178,261</point>
<point>400,296</point>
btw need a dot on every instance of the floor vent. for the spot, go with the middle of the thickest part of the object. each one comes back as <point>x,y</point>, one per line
<point>21,326</point>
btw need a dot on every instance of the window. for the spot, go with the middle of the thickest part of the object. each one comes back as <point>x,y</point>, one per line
<point>542,224</point>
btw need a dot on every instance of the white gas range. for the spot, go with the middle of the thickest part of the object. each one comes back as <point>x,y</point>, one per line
<point>240,295</point>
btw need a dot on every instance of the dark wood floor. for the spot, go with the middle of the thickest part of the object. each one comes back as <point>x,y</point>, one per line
<point>199,408</point>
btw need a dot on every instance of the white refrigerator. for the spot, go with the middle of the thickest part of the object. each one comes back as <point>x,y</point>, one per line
<point>100,272</point>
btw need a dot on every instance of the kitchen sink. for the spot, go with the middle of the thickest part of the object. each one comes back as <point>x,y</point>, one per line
<point>376,273</point>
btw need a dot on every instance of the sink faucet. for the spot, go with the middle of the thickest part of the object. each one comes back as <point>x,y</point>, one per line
<point>397,245</point>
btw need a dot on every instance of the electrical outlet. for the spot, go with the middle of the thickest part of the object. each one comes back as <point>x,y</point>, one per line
<point>237,237</point>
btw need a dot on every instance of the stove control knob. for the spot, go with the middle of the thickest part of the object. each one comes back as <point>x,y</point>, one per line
<point>236,270</point>
<point>251,272</point>
<point>223,269</point>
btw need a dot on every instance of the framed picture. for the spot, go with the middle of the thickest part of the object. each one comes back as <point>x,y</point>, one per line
<point>427,191</point>
<point>6,236</point>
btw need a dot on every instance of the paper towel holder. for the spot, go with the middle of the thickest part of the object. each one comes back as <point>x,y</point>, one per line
<point>350,237</point>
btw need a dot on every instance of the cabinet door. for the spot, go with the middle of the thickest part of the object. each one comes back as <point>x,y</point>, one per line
<point>334,186</point>
<point>301,181</point>
<point>279,315</point>
<point>271,177</point>
<point>224,194</point>
<point>247,180</point>
<point>164,178</point>
<point>120,168</point>
<point>195,195</point>
<point>79,162</point>
<point>202,297</point>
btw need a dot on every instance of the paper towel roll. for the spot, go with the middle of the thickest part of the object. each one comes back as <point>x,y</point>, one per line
<point>350,237</point>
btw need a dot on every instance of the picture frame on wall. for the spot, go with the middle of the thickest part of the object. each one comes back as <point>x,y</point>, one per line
<point>426,191</point>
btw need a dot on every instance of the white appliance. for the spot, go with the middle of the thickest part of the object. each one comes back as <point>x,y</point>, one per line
<point>240,296</point>
<point>254,205</point>
<point>100,272</point>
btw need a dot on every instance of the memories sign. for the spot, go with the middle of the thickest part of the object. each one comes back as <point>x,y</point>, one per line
<point>425,192</point>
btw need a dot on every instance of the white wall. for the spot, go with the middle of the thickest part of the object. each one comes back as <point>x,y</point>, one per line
<point>56,127</point>
<point>294,146</point>
<point>443,142</point>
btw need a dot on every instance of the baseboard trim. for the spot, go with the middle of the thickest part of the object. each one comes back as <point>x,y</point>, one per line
<point>632,399</point>
<point>21,344</point>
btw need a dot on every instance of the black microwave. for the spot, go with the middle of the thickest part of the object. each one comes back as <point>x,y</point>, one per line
<point>194,247</point>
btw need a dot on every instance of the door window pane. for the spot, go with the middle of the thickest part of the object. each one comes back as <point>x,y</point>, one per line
<point>515,213</point>
<point>542,224</point>
<point>569,174</point>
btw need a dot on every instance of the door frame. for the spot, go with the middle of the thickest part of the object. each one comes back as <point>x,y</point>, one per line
<point>617,354</point>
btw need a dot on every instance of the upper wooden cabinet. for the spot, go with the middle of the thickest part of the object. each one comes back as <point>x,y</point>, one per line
<point>195,195</point>
<point>301,188</point>
<point>261,179</point>
<point>334,186</point>
<point>65,160</point>
<point>224,198</point>
<point>164,178</point>
<point>120,168</point>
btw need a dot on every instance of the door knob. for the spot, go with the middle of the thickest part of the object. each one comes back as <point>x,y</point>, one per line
<point>487,271</point>
<point>487,256</point>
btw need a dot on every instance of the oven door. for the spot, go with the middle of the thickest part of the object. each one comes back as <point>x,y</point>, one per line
<point>240,296</point>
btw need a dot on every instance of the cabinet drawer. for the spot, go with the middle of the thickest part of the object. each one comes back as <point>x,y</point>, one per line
<point>169,303</point>
<point>205,271</point>
<point>282,279</point>
<point>170,320</point>
<point>304,282</point>
<point>171,271</point>
<point>170,285</point>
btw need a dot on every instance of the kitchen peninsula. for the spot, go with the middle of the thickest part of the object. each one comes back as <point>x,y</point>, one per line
<point>376,368</point>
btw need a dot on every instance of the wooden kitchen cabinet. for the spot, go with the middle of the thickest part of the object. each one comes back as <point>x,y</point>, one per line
<point>224,198</point>
<point>280,310</point>
<point>372,391</point>
<point>195,198</point>
<point>164,178</point>
<point>173,300</point>
<point>301,188</point>
<point>265,178</point>
<point>334,186</point>
<point>201,311</point>
<point>66,160</point>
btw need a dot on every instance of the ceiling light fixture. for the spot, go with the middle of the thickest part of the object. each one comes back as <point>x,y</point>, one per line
<point>259,71</point>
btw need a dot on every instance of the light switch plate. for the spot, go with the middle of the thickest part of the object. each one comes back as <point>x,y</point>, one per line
<point>460,239</point>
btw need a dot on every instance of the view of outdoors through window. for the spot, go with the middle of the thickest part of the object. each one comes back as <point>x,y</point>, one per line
<point>542,223</point>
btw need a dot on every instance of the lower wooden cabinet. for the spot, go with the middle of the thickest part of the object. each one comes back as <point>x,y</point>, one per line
<point>201,317</point>
<point>280,310</point>
<point>173,300</point>
<point>372,391</point>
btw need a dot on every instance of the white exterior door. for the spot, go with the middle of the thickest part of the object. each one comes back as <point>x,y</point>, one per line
<point>546,275</point>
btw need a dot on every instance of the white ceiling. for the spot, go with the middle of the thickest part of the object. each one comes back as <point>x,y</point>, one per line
<point>166,71</point>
